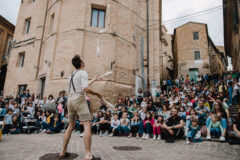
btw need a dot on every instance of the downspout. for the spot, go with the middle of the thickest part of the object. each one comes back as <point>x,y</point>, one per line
<point>41,44</point>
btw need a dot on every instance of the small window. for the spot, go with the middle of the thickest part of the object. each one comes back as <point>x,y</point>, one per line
<point>27,25</point>
<point>195,35</point>
<point>197,55</point>
<point>98,18</point>
<point>21,58</point>
<point>51,23</point>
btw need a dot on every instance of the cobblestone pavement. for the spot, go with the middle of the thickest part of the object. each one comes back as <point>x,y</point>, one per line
<point>31,147</point>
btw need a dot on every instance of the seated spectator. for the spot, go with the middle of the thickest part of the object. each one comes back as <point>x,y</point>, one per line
<point>234,136</point>
<point>55,126</point>
<point>132,109</point>
<point>173,127</point>
<point>194,133</point>
<point>135,125</point>
<point>215,128</point>
<point>3,112</point>
<point>220,112</point>
<point>103,106</point>
<point>157,128</point>
<point>8,122</point>
<point>104,124</point>
<point>2,104</point>
<point>15,128</point>
<point>50,99</point>
<point>115,123</point>
<point>16,109</point>
<point>46,124</point>
<point>202,112</point>
<point>95,124</point>
<point>164,112</point>
<point>148,123</point>
<point>31,109</point>
<point>124,127</point>
<point>142,115</point>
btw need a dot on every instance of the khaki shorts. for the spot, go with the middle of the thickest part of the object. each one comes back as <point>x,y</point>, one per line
<point>77,106</point>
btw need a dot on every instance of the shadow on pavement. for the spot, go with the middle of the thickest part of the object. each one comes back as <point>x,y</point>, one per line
<point>55,156</point>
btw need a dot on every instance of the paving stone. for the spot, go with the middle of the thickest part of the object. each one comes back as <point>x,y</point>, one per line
<point>32,147</point>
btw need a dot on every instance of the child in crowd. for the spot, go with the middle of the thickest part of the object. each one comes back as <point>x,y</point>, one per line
<point>194,133</point>
<point>182,113</point>
<point>124,128</point>
<point>46,124</point>
<point>192,115</point>
<point>215,128</point>
<point>95,121</point>
<point>55,126</point>
<point>65,122</point>
<point>115,123</point>
<point>157,128</point>
<point>148,123</point>
<point>8,122</point>
<point>134,125</point>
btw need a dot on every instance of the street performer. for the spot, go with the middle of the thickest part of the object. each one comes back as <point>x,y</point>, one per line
<point>77,106</point>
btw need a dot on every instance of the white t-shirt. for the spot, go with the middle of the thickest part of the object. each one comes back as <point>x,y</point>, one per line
<point>80,81</point>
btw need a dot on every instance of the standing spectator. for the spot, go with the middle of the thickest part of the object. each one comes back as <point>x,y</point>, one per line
<point>62,100</point>
<point>18,99</point>
<point>140,95</point>
<point>8,122</point>
<point>147,93</point>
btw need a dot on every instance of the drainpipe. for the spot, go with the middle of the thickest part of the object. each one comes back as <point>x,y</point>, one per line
<point>41,44</point>
<point>148,83</point>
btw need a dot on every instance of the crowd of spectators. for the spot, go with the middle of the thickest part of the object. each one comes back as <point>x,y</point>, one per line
<point>180,108</point>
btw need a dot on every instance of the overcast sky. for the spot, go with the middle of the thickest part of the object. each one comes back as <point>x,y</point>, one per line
<point>177,8</point>
<point>171,9</point>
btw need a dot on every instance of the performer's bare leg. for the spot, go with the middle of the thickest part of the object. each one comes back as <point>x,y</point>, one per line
<point>87,139</point>
<point>67,137</point>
